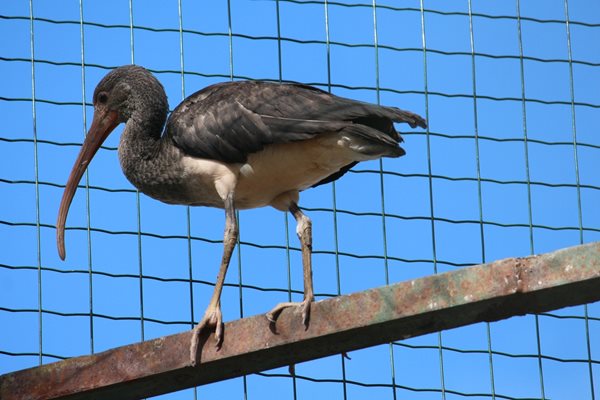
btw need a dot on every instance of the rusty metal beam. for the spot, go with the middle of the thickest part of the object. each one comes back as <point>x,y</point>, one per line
<point>486,292</point>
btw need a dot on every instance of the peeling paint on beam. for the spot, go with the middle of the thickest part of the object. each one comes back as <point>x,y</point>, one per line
<point>486,292</point>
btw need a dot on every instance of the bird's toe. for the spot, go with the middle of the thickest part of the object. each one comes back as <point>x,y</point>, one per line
<point>305,307</point>
<point>274,313</point>
<point>306,312</point>
<point>213,319</point>
<point>270,317</point>
<point>219,331</point>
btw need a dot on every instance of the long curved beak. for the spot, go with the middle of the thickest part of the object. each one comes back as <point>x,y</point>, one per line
<point>103,124</point>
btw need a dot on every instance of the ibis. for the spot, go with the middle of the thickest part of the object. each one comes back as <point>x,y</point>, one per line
<point>234,145</point>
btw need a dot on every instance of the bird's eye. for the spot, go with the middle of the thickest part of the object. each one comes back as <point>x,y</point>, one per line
<point>102,98</point>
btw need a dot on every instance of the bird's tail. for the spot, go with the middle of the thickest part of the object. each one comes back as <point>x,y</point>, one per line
<point>412,119</point>
<point>370,143</point>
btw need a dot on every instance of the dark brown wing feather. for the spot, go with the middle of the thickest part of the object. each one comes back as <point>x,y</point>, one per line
<point>229,121</point>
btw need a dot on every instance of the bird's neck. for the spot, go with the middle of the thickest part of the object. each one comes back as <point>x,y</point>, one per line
<point>146,159</point>
<point>141,138</point>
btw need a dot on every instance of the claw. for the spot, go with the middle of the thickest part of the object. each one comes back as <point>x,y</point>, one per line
<point>213,319</point>
<point>305,307</point>
<point>219,334</point>
<point>305,312</point>
<point>272,315</point>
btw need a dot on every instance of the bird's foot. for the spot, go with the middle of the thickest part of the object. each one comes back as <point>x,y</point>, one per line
<point>304,305</point>
<point>213,319</point>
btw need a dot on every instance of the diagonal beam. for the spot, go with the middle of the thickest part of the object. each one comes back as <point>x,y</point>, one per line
<point>487,292</point>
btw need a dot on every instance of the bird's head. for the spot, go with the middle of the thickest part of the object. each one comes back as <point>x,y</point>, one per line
<point>118,96</point>
<point>125,90</point>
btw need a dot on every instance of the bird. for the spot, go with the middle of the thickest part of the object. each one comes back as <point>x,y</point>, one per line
<point>234,145</point>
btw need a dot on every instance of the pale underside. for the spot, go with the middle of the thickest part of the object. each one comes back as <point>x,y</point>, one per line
<point>273,176</point>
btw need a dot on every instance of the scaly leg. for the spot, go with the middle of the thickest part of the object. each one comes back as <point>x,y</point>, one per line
<point>213,317</point>
<point>304,231</point>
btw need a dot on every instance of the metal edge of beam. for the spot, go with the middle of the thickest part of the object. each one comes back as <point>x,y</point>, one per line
<point>487,292</point>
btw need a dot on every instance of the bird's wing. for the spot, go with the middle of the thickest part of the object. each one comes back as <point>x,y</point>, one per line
<point>229,121</point>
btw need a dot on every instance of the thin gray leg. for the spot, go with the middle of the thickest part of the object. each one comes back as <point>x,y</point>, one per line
<point>304,231</point>
<point>213,317</point>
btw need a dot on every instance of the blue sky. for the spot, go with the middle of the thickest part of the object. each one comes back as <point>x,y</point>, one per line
<point>470,83</point>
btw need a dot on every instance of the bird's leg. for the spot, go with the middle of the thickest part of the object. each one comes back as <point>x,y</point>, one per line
<point>213,317</point>
<point>304,231</point>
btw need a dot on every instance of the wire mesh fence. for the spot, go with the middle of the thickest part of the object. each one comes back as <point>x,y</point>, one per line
<point>508,167</point>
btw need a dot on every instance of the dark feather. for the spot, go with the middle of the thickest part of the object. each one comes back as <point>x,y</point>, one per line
<point>229,121</point>
<point>335,176</point>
